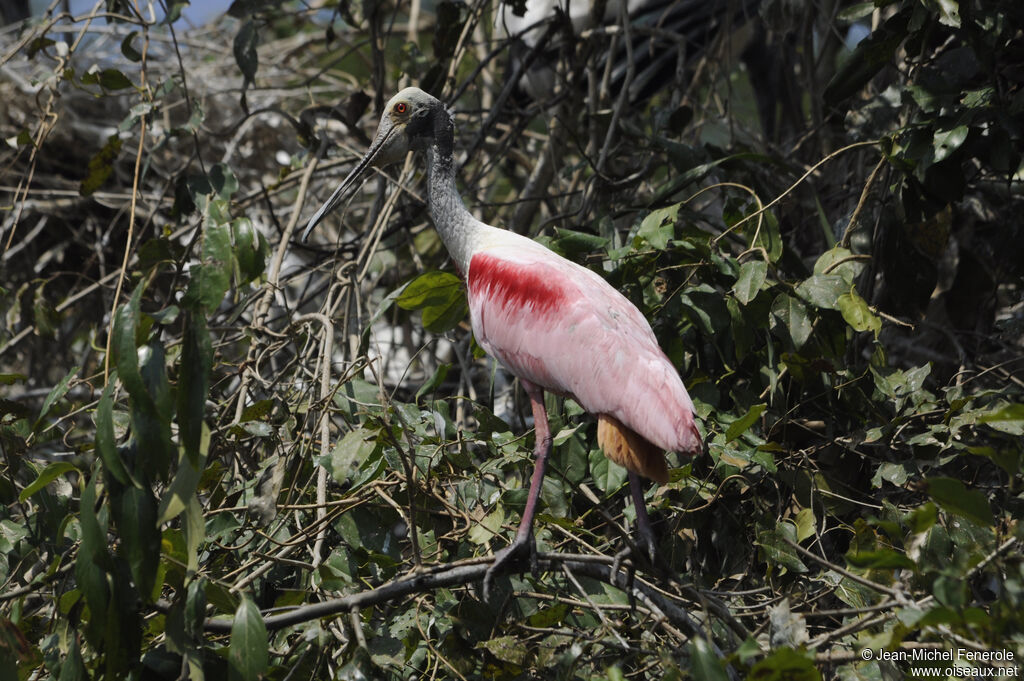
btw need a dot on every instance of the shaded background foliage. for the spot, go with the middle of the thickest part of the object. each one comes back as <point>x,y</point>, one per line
<point>206,423</point>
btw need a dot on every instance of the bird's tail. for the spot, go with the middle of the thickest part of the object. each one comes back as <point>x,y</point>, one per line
<point>626,448</point>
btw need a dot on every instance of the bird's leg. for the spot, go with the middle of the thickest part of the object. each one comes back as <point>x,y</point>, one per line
<point>645,540</point>
<point>643,521</point>
<point>524,541</point>
<point>643,528</point>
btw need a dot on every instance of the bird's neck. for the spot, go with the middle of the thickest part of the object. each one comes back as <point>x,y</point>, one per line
<point>453,222</point>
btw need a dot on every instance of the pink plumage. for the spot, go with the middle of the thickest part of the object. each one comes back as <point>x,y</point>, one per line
<point>563,328</point>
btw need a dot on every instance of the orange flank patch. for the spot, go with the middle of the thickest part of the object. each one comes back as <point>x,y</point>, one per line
<point>626,448</point>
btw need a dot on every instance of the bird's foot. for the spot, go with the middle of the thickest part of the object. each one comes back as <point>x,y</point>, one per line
<point>523,548</point>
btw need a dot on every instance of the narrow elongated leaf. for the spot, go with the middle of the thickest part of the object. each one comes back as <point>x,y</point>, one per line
<point>90,564</point>
<point>151,418</point>
<point>58,391</point>
<point>135,513</point>
<point>126,352</point>
<point>45,477</point>
<point>247,652</point>
<point>880,559</point>
<point>183,486</point>
<point>106,445</point>
<point>246,55</point>
<point>194,383</point>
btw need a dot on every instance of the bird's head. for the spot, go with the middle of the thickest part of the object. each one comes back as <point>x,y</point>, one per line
<point>411,121</point>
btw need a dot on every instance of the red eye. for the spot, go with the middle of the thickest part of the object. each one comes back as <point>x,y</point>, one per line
<point>400,108</point>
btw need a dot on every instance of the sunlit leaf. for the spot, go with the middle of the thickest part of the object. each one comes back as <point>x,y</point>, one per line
<point>857,314</point>
<point>750,281</point>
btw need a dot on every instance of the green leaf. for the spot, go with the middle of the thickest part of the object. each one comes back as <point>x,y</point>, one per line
<point>212,277</point>
<point>571,242</point>
<point>245,52</point>
<point>349,454</point>
<point>857,314</point>
<point>805,524</point>
<point>248,650</point>
<point>839,261</point>
<point>193,383</point>
<point>488,528</point>
<point>45,477</point>
<point>1007,419</point>
<point>100,166</point>
<point>250,249</point>
<point>777,550</point>
<point>750,280</point>
<point>765,234</point>
<point>126,352</point>
<point>440,296</point>
<point>436,379</point>
<point>659,227</point>
<point>224,184</point>
<point>506,648</point>
<point>549,617</point>
<point>136,515</point>
<point>955,498</point>
<point>608,475</point>
<point>743,423</point>
<point>792,314</point>
<point>880,559</point>
<point>108,79</point>
<point>823,290</point>
<point>183,487</point>
<point>128,50</point>
<point>90,564</point>
<point>58,391</point>
<point>948,141</point>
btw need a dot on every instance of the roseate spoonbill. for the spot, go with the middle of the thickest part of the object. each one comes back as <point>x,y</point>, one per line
<point>554,324</point>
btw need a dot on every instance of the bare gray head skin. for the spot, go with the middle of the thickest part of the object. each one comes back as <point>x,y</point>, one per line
<point>412,120</point>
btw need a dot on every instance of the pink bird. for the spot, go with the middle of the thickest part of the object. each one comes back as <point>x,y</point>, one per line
<point>555,325</point>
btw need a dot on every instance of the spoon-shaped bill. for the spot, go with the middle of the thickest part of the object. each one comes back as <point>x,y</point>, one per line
<point>388,146</point>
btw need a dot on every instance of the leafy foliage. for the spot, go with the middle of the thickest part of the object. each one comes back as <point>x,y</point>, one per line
<point>227,453</point>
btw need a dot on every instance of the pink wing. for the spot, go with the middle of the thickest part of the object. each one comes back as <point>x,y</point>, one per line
<point>563,328</point>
